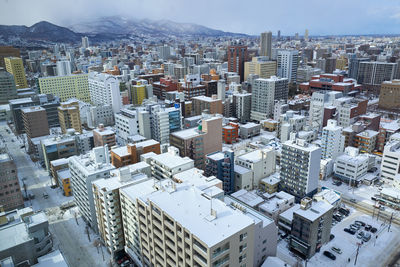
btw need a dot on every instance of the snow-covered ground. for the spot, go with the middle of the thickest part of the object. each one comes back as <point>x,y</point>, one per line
<point>372,253</point>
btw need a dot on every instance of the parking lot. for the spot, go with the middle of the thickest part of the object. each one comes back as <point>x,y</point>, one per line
<point>371,253</point>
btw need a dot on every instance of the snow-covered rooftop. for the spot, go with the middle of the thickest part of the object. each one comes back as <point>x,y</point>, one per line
<point>316,210</point>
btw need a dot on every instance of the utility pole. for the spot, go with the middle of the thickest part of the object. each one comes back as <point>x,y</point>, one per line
<point>390,221</point>
<point>358,248</point>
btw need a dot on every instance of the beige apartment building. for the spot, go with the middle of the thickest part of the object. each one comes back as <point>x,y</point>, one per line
<point>261,67</point>
<point>69,116</point>
<point>389,97</point>
<point>175,224</point>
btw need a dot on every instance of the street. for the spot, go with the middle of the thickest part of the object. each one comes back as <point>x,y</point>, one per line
<point>67,236</point>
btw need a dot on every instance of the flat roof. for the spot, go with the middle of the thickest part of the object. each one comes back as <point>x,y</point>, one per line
<point>171,161</point>
<point>241,170</point>
<point>288,214</point>
<point>196,177</point>
<point>15,234</point>
<point>248,197</point>
<point>188,206</point>
<point>64,174</point>
<point>121,151</point>
<point>188,133</point>
<point>58,162</point>
<point>216,156</point>
<point>146,143</point>
<point>114,181</point>
<point>4,157</point>
<point>316,210</point>
<point>52,259</point>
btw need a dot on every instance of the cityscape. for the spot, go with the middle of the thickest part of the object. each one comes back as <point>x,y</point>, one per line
<point>171,133</point>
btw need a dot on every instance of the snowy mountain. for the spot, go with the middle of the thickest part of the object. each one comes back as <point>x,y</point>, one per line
<point>127,26</point>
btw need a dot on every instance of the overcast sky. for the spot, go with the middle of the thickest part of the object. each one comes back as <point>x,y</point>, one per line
<point>320,17</point>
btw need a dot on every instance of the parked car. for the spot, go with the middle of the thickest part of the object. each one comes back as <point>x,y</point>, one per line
<point>360,222</point>
<point>366,237</point>
<point>337,250</point>
<point>382,208</point>
<point>353,200</point>
<point>360,235</point>
<point>350,231</point>
<point>373,230</point>
<point>337,218</point>
<point>344,211</point>
<point>355,226</point>
<point>368,227</point>
<point>45,195</point>
<point>329,255</point>
<point>332,236</point>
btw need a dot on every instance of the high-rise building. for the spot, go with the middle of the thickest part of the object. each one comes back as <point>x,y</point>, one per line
<point>332,140</point>
<point>242,106</point>
<point>300,164</point>
<point>69,116</point>
<point>196,143</point>
<point>306,35</point>
<point>108,206</point>
<point>181,211</point>
<point>264,93</point>
<point>66,87</point>
<point>354,64</point>
<point>138,93</point>
<point>260,66</point>
<point>57,148</point>
<point>164,122</point>
<point>7,51</point>
<point>389,97</point>
<point>320,100</point>
<point>8,90</point>
<point>35,122</point>
<point>63,67</point>
<point>164,52</point>
<point>85,42</point>
<point>390,166</point>
<point>10,190</point>
<point>84,170</point>
<point>311,227</point>
<point>279,35</point>
<point>104,90</point>
<point>15,66</point>
<point>287,64</point>
<point>372,74</point>
<point>220,164</point>
<point>237,55</point>
<point>266,44</point>
<point>212,104</point>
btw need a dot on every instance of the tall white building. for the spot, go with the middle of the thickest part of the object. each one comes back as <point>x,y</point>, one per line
<point>108,207</point>
<point>85,42</point>
<point>390,167</point>
<point>164,52</point>
<point>165,121</point>
<point>84,170</point>
<point>319,101</point>
<point>287,64</point>
<point>300,163</point>
<point>266,44</point>
<point>264,93</point>
<point>221,90</point>
<point>63,68</point>
<point>104,90</point>
<point>130,122</point>
<point>332,140</point>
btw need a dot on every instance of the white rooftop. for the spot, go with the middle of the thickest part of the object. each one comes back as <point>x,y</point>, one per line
<point>53,259</point>
<point>248,197</point>
<point>316,210</point>
<point>241,170</point>
<point>217,156</point>
<point>188,133</point>
<point>171,161</point>
<point>191,209</point>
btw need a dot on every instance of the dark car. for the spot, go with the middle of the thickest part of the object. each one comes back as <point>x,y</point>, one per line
<point>329,255</point>
<point>344,211</point>
<point>350,231</point>
<point>360,222</point>
<point>337,218</point>
<point>373,230</point>
<point>332,236</point>
<point>368,227</point>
